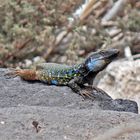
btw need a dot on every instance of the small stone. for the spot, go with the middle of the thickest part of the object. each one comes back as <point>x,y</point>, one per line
<point>2,122</point>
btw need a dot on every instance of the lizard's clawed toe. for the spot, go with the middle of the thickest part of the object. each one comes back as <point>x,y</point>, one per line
<point>87,94</point>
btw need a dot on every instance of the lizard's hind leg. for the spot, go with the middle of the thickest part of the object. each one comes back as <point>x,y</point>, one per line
<point>26,74</point>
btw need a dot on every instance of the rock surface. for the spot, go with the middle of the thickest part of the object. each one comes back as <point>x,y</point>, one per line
<point>58,113</point>
<point>122,80</point>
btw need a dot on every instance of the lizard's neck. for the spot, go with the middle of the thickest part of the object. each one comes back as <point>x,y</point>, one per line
<point>81,69</point>
<point>88,76</point>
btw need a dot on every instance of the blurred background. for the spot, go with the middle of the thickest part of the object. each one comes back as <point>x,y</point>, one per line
<point>35,31</point>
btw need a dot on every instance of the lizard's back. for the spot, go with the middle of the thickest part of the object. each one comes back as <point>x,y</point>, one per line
<point>57,74</point>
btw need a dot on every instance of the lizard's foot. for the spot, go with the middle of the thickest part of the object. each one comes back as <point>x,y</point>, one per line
<point>26,74</point>
<point>87,93</point>
<point>94,93</point>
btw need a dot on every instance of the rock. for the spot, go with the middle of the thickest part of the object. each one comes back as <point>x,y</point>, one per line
<point>120,105</point>
<point>15,91</point>
<point>37,111</point>
<point>107,103</point>
<point>58,123</point>
<point>122,80</point>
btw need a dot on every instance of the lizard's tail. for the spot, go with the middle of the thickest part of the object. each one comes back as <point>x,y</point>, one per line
<point>26,74</point>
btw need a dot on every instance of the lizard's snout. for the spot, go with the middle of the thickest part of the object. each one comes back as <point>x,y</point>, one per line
<point>112,54</point>
<point>115,52</point>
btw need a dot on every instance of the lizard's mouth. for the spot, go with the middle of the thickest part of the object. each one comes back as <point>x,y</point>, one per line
<point>111,54</point>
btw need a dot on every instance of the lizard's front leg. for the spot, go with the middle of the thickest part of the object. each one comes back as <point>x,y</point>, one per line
<point>80,89</point>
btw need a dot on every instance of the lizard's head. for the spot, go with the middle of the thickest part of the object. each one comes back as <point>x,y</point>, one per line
<point>97,61</point>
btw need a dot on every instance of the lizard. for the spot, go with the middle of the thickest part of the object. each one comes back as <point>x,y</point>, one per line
<point>75,76</point>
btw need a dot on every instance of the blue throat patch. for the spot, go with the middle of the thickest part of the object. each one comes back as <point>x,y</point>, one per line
<point>92,64</point>
<point>54,82</point>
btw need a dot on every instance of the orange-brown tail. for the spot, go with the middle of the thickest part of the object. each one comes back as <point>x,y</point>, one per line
<point>26,74</point>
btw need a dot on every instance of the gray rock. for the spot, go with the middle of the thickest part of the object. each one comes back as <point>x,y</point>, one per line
<point>57,123</point>
<point>35,111</point>
<point>120,105</point>
<point>15,91</point>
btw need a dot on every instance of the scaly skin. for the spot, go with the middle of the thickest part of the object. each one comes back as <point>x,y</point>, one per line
<point>73,76</point>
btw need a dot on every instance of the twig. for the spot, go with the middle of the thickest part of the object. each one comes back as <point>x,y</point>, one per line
<point>87,9</point>
<point>109,23</point>
<point>113,12</point>
<point>118,37</point>
<point>126,41</point>
<point>134,57</point>
<point>114,32</point>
